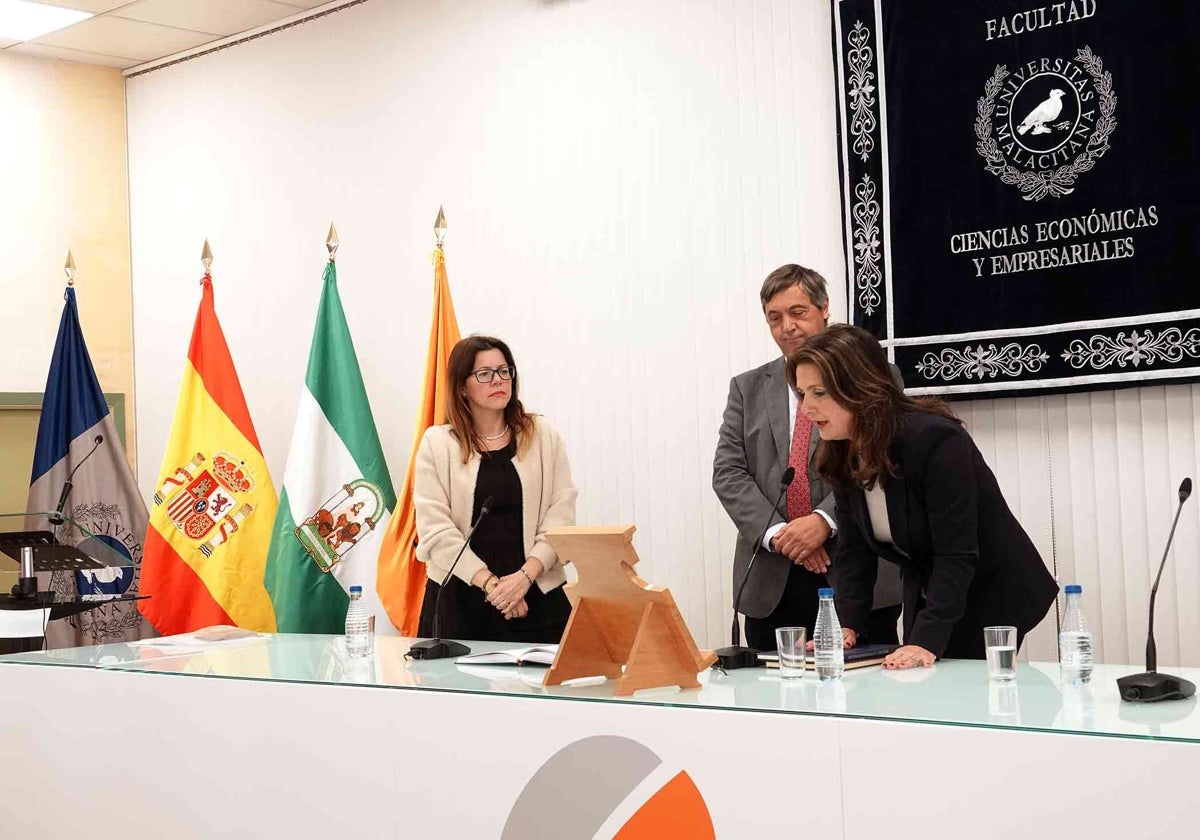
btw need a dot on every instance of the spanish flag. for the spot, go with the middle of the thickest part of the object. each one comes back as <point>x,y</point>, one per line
<point>401,577</point>
<point>210,525</point>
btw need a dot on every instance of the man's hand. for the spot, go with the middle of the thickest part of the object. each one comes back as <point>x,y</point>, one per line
<point>817,562</point>
<point>802,537</point>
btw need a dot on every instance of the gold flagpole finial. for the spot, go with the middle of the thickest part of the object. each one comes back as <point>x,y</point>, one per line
<point>439,227</point>
<point>331,242</point>
<point>206,258</point>
<point>69,268</point>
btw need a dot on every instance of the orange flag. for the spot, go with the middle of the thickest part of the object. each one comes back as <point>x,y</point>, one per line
<point>401,577</point>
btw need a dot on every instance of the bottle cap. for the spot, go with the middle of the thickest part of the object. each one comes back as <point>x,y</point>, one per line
<point>825,593</point>
<point>354,589</point>
<point>1074,589</point>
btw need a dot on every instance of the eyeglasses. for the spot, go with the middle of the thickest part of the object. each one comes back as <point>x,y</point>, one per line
<point>487,375</point>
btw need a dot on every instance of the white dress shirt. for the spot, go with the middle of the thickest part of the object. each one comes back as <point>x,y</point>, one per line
<point>881,526</point>
<point>793,407</point>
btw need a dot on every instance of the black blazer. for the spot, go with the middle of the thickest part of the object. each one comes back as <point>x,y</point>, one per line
<point>969,563</point>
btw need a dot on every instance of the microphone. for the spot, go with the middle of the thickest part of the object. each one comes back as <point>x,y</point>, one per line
<point>56,518</point>
<point>437,648</point>
<point>26,586</point>
<point>1151,686</point>
<point>736,656</point>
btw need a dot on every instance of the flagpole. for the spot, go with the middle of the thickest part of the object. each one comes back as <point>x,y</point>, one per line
<point>206,259</point>
<point>69,269</point>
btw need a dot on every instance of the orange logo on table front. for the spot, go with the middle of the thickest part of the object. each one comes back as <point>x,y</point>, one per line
<point>202,500</point>
<point>561,800</point>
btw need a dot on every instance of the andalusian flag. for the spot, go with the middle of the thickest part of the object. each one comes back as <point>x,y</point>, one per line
<point>210,525</point>
<point>337,495</point>
<point>401,575</point>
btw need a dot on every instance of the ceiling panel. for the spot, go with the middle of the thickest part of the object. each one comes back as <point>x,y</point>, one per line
<point>4,43</point>
<point>125,38</point>
<point>301,4</point>
<point>219,17</point>
<point>47,51</point>
<point>94,6</point>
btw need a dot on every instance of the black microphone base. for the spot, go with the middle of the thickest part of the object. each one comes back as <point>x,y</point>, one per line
<point>1151,687</point>
<point>26,588</point>
<point>735,656</point>
<point>437,649</point>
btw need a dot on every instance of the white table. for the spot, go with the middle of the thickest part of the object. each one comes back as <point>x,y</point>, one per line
<point>283,737</point>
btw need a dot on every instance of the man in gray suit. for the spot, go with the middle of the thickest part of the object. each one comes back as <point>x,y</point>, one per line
<point>761,435</point>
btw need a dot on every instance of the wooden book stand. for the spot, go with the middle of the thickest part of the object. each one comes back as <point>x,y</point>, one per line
<point>620,620</point>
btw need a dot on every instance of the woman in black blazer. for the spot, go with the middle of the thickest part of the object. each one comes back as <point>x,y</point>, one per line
<point>912,487</point>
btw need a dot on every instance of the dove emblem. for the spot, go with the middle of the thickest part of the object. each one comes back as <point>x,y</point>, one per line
<point>1046,112</point>
<point>1044,124</point>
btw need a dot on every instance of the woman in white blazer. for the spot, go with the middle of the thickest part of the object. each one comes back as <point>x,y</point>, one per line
<point>508,584</point>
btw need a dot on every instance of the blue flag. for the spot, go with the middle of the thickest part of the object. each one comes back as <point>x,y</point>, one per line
<point>105,498</point>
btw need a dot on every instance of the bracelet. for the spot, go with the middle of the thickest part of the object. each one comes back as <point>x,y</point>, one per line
<point>527,577</point>
<point>490,584</point>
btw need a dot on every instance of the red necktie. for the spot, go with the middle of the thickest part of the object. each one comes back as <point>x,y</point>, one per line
<point>799,494</point>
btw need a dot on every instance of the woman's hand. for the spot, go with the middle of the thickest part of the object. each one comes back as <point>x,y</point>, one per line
<point>909,656</point>
<point>849,639</point>
<point>508,592</point>
<point>518,610</point>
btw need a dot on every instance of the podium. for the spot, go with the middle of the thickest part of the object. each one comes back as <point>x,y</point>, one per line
<point>621,627</point>
<point>23,620</point>
<point>25,613</point>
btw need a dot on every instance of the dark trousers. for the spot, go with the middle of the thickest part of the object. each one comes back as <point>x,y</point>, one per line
<point>798,608</point>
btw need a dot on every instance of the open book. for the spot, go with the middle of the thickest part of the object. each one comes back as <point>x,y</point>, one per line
<point>862,656</point>
<point>541,655</point>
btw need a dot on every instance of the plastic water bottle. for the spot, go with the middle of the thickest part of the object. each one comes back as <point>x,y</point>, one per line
<point>1075,640</point>
<point>358,626</point>
<point>827,639</point>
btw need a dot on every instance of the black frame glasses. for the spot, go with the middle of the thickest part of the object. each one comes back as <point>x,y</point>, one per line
<point>485,376</point>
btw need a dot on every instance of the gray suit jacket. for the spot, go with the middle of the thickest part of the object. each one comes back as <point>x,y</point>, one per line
<point>752,453</point>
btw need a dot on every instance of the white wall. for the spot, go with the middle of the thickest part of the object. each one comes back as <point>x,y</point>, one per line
<point>63,173</point>
<point>618,178</point>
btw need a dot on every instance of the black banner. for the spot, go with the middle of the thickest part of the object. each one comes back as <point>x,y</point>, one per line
<point>1019,184</point>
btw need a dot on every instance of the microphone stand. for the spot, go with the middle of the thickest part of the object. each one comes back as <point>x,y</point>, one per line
<point>26,587</point>
<point>1150,686</point>
<point>56,518</point>
<point>438,648</point>
<point>735,656</point>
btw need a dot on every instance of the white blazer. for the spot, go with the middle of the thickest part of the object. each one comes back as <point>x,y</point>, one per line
<point>444,495</point>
